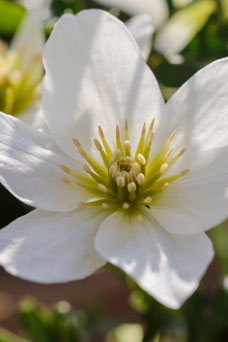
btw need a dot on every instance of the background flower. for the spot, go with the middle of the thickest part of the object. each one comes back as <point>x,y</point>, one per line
<point>22,70</point>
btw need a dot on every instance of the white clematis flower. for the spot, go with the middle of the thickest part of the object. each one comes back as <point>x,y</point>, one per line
<point>142,201</point>
<point>22,71</point>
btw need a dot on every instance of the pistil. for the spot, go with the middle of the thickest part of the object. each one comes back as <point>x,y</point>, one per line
<point>124,182</point>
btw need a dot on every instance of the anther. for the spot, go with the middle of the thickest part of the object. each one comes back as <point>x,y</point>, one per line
<point>102,187</point>
<point>113,170</point>
<point>141,159</point>
<point>76,142</point>
<point>150,140</point>
<point>82,152</point>
<point>100,132</point>
<point>147,200</point>
<point>126,130</point>
<point>97,144</point>
<point>87,168</point>
<point>67,181</point>
<point>164,167</point>
<point>136,167</point>
<point>117,132</point>
<point>185,172</point>
<point>170,152</point>
<point>144,129</point>
<point>140,178</point>
<point>126,206</point>
<point>106,145</point>
<point>126,125</point>
<point>152,125</point>
<point>120,181</point>
<point>182,151</point>
<point>141,141</point>
<point>65,168</point>
<point>132,176</point>
<point>172,136</point>
<point>131,187</point>
<point>127,145</point>
<point>103,154</point>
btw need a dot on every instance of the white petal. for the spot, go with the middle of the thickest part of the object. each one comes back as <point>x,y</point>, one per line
<point>95,75</point>
<point>34,117</point>
<point>34,4</point>
<point>177,33</point>
<point>52,247</point>
<point>142,28</point>
<point>30,167</point>
<point>198,201</point>
<point>29,42</point>
<point>198,110</point>
<point>167,266</point>
<point>158,9</point>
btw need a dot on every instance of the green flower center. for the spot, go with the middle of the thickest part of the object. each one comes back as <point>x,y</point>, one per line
<point>18,87</point>
<point>125,181</point>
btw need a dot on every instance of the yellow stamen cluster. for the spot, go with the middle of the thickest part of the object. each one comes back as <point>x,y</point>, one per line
<point>125,181</point>
<point>18,88</point>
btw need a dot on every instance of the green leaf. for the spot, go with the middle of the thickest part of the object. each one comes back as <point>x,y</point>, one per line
<point>11,15</point>
<point>6,336</point>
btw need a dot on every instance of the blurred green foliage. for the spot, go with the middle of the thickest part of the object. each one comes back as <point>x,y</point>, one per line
<point>58,7</point>
<point>11,15</point>
<point>62,324</point>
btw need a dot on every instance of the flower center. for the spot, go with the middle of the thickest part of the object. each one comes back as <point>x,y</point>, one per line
<point>126,181</point>
<point>18,87</point>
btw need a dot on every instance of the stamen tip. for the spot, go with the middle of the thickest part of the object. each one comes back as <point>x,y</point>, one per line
<point>66,181</point>
<point>152,124</point>
<point>97,144</point>
<point>127,145</point>
<point>144,129</point>
<point>172,136</point>
<point>147,200</point>
<point>102,187</point>
<point>120,181</point>
<point>182,151</point>
<point>141,158</point>
<point>82,152</point>
<point>140,178</point>
<point>100,132</point>
<point>117,132</point>
<point>164,167</point>
<point>86,168</point>
<point>131,187</point>
<point>76,142</point>
<point>126,125</point>
<point>126,206</point>
<point>185,172</point>
<point>65,168</point>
